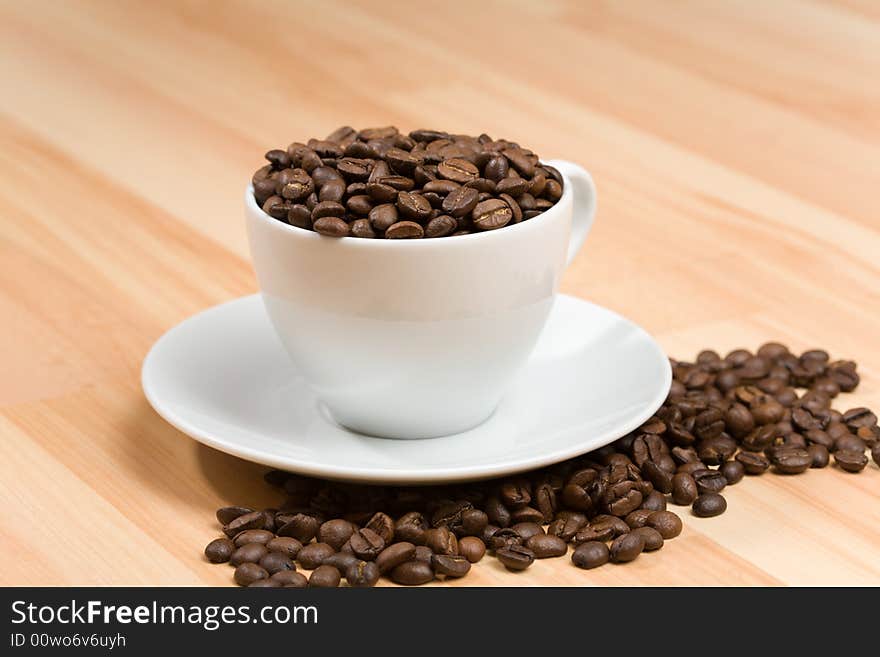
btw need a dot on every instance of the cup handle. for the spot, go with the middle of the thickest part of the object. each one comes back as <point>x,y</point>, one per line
<point>584,205</point>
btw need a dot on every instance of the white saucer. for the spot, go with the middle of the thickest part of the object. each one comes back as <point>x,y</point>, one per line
<point>223,378</point>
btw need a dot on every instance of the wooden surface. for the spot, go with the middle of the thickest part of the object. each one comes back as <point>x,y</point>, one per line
<point>735,145</point>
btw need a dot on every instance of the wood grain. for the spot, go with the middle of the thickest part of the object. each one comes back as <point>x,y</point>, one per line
<point>736,149</point>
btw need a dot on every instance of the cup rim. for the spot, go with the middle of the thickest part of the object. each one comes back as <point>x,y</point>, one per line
<point>295,231</point>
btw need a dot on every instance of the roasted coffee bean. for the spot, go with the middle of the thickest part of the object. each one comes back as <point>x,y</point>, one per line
<point>253,536</point>
<point>504,538</point>
<point>590,555</point>
<point>404,230</point>
<point>515,557</point>
<point>472,548</point>
<point>545,545</point>
<point>335,532</point>
<point>227,514</point>
<point>638,518</point>
<point>275,562</point>
<point>441,541</point>
<point>412,573</point>
<point>411,527</point>
<point>875,453</point>
<point>627,547</point>
<point>525,530</point>
<point>450,565</point>
<point>491,214</point>
<point>497,512</point>
<point>790,460</point>
<point>819,455</point>
<point>324,577</point>
<point>441,226</point>
<point>603,523</point>
<point>655,501</point>
<point>473,522</point>
<point>366,544</point>
<point>302,527</point>
<point>219,550</point>
<point>394,555</point>
<point>423,553</point>
<point>754,463</point>
<point>362,574</point>
<point>249,553</point>
<point>286,545</point>
<point>340,561</point>
<point>665,522</point>
<point>652,538</point>
<point>684,489</point>
<point>460,201</point>
<point>290,579</point>
<point>709,481</point>
<point>457,170</point>
<point>850,460</point>
<point>733,472</point>
<point>849,443</point>
<point>247,573</point>
<point>709,505</point>
<point>659,478</point>
<point>313,555</point>
<point>331,227</point>
<point>252,520</point>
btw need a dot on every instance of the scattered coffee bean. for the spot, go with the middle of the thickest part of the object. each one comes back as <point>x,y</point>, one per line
<point>219,550</point>
<point>247,573</point>
<point>412,573</point>
<point>324,577</point>
<point>709,505</point>
<point>362,574</point>
<point>313,555</point>
<point>590,555</point>
<point>741,413</point>
<point>515,557</point>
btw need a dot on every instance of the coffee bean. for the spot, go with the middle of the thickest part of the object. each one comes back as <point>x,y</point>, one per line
<point>290,579</point>
<point>227,514</point>
<point>460,201</point>
<point>753,463</point>
<point>412,573</point>
<point>331,227</point>
<point>472,548</point>
<point>655,501</point>
<point>362,574</point>
<point>275,562</point>
<point>709,505</point>
<point>253,536</point>
<point>652,538</point>
<point>590,555</point>
<point>732,471</point>
<point>525,530</point>
<point>441,541</point>
<point>457,170</point>
<point>819,455</point>
<point>302,527</point>
<point>545,545</point>
<point>313,555</point>
<point>324,577</point>
<point>335,532</point>
<point>491,214</point>
<point>875,453</point>
<point>340,561</point>
<point>684,489</point>
<point>666,522</point>
<point>638,518</point>
<point>249,553</point>
<point>252,520</point>
<point>849,443</point>
<point>285,545</point>
<point>515,557</point>
<point>790,460</point>
<point>661,480</point>
<point>366,544</point>
<point>850,460</point>
<point>627,547</point>
<point>473,522</point>
<point>450,565</point>
<point>247,573</point>
<point>709,481</point>
<point>404,230</point>
<point>219,550</point>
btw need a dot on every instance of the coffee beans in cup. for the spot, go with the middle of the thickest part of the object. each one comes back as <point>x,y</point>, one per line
<point>726,419</point>
<point>381,183</point>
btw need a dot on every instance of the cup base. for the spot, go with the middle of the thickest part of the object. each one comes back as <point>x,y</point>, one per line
<point>430,428</point>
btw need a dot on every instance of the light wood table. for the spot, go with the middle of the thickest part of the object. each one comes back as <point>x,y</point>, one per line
<point>735,145</point>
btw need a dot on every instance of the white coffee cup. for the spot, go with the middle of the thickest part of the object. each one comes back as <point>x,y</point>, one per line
<point>416,338</point>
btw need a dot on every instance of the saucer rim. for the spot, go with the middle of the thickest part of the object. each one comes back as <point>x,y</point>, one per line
<point>397,476</point>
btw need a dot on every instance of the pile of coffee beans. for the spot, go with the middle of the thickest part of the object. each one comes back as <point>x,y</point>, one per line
<point>724,419</point>
<point>379,182</point>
